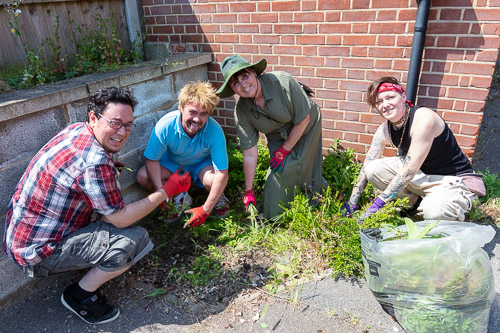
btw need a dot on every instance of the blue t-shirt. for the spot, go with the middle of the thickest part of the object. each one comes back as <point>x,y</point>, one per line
<point>169,138</point>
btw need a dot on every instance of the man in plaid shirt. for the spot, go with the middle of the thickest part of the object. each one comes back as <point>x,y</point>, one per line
<point>67,212</point>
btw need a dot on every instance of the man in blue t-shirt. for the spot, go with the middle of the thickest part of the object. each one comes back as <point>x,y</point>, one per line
<point>191,139</point>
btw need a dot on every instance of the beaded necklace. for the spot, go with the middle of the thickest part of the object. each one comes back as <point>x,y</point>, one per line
<point>402,120</point>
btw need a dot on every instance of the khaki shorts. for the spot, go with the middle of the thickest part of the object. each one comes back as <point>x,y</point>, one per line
<point>97,244</point>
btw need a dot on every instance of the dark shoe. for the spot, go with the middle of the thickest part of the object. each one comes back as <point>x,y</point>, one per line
<point>410,212</point>
<point>93,310</point>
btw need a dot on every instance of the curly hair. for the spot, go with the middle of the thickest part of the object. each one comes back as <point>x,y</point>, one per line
<point>199,93</point>
<point>371,93</point>
<point>100,100</point>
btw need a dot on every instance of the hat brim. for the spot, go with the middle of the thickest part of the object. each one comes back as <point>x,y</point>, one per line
<point>225,90</point>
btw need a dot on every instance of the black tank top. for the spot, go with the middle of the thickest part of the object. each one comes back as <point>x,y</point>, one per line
<point>445,156</point>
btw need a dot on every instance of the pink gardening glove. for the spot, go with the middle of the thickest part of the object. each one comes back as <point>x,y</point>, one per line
<point>279,159</point>
<point>249,198</point>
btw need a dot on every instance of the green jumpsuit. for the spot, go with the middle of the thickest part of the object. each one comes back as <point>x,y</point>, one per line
<point>286,104</point>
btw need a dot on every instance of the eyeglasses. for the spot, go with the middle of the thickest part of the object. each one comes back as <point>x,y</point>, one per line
<point>116,125</point>
<point>239,79</point>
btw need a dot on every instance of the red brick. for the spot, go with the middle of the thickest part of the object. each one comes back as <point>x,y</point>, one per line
<point>386,52</point>
<point>335,5</point>
<point>350,126</point>
<point>264,18</point>
<point>351,116</point>
<point>352,137</point>
<point>358,28</point>
<point>469,130</point>
<point>246,28</point>
<point>383,64</point>
<point>244,18</point>
<point>309,61</point>
<point>359,40</point>
<point>265,49</point>
<point>239,48</point>
<point>481,14</point>
<point>265,39</point>
<point>387,15</point>
<point>263,6</point>
<point>386,40</point>
<point>446,41</point>
<point>285,18</point>
<point>328,134</point>
<point>287,40</point>
<point>285,60</point>
<point>352,106</point>
<point>310,29</point>
<point>389,4</point>
<point>205,8</point>
<point>310,51</point>
<point>309,17</point>
<point>407,15</point>
<point>487,55</point>
<point>359,51</point>
<point>332,62</point>
<point>242,7</point>
<point>480,82</point>
<point>475,106</point>
<point>246,39</point>
<point>385,28</point>
<point>330,94</point>
<point>287,49</point>
<point>360,4</point>
<point>371,118</point>
<point>308,40</point>
<point>470,68</point>
<point>308,5</point>
<point>355,75</point>
<point>447,28</point>
<point>354,85</point>
<point>363,138</point>
<point>333,51</point>
<point>450,15</point>
<point>335,28</point>
<point>225,18</point>
<point>163,10</point>
<point>464,141</point>
<point>295,71</point>
<point>461,117</point>
<point>288,28</point>
<point>363,16</point>
<point>479,42</point>
<point>227,28</point>
<point>357,63</point>
<point>444,54</point>
<point>164,29</point>
<point>279,6</point>
<point>331,72</point>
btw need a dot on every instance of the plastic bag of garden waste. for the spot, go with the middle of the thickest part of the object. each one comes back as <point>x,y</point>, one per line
<point>440,283</point>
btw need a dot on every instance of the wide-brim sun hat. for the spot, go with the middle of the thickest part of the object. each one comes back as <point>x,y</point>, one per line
<point>232,65</point>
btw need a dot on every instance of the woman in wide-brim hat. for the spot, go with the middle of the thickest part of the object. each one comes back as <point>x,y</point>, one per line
<point>276,105</point>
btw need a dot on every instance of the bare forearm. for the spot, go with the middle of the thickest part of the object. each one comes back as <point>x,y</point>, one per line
<point>136,210</point>
<point>153,169</point>
<point>218,186</point>
<point>296,133</point>
<point>250,165</point>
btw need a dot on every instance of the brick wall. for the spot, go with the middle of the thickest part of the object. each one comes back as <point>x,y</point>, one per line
<point>338,46</point>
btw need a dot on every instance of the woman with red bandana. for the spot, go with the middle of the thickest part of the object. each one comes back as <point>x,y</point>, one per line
<point>429,171</point>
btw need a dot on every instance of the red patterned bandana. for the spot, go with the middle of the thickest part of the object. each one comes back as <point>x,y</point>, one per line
<point>392,87</point>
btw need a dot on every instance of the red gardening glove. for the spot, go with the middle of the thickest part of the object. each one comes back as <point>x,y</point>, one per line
<point>279,159</point>
<point>199,216</point>
<point>179,182</point>
<point>249,198</point>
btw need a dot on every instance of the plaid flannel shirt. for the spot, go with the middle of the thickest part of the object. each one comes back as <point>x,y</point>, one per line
<point>69,180</point>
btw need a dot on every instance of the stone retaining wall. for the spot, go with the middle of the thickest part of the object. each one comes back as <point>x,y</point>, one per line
<point>29,118</point>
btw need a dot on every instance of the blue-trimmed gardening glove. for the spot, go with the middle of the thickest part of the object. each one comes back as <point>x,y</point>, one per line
<point>278,161</point>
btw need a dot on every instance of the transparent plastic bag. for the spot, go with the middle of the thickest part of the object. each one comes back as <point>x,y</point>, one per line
<point>432,284</point>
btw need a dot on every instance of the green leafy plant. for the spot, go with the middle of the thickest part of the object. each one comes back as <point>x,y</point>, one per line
<point>341,171</point>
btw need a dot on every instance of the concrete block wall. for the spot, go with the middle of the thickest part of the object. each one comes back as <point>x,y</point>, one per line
<point>29,118</point>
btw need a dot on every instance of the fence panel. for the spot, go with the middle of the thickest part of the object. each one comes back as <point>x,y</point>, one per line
<point>39,20</point>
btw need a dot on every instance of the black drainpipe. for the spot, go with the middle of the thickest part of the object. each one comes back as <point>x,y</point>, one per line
<point>417,49</point>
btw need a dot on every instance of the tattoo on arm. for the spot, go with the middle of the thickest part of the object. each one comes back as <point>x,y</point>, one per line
<point>399,183</point>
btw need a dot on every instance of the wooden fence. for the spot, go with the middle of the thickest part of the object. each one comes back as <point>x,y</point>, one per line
<point>40,19</point>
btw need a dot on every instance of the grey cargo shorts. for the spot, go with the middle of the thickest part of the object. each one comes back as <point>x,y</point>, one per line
<point>97,244</point>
